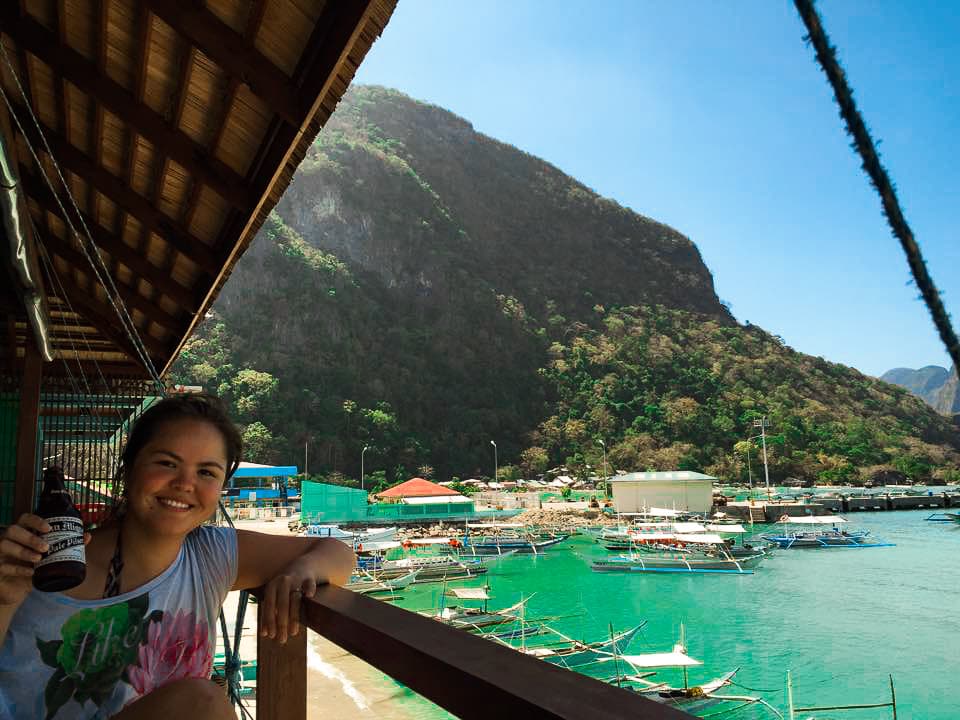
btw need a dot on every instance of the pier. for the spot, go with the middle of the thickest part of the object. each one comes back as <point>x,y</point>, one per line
<point>773,510</point>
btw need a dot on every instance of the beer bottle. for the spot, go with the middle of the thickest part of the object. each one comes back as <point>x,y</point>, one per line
<point>63,565</point>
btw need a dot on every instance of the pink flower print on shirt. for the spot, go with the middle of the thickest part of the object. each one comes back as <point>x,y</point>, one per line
<point>176,648</point>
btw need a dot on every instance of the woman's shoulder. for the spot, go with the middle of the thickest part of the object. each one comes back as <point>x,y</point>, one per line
<point>206,538</point>
<point>213,551</point>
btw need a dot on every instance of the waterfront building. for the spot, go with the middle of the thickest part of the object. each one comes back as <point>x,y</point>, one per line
<point>638,492</point>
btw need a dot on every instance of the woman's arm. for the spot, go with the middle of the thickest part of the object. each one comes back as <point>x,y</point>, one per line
<point>290,568</point>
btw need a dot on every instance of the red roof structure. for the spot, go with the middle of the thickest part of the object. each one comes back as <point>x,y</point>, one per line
<point>416,487</point>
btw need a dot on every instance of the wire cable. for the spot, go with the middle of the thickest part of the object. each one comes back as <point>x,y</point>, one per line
<point>99,269</point>
<point>827,58</point>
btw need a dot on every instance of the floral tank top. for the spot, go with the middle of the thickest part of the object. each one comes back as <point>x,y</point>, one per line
<point>88,659</point>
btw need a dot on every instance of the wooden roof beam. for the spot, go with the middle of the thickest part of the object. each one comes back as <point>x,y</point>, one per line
<point>234,54</point>
<point>105,320</point>
<point>128,200</point>
<point>69,64</point>
<point>128,294</point>
<point>105,240</point>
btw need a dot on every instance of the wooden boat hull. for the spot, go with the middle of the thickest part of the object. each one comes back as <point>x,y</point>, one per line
<point>501,547</point>
<point>819,541</point>
<point>653,564</point>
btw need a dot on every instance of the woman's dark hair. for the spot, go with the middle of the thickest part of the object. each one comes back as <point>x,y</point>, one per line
<point>200,406</point>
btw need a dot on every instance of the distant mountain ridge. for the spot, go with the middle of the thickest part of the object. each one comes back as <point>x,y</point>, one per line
<point>933,384</point>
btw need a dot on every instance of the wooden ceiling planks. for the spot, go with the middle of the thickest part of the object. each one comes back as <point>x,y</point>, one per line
<point>177,125</point>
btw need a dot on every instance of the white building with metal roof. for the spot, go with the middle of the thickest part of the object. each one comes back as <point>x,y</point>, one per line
<point>678,490</point>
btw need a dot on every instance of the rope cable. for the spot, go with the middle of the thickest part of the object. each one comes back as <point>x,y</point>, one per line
<point>60,290</point>
<point>100,271</point>
<point>855,127</point>
<point>55,282</point>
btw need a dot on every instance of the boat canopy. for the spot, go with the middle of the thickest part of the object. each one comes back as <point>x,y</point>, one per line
<point>658,660</point>
<point>643,527</point>
<point>428,541</point>
<point>376,545</point>
<point>689,527</point>
<point>812,520</point>
<point>647,536</point>
<point>732,529</point>
<point>663,512</point>
<point>495,525</point>
<point>702,538</point>
<point>470,593</point>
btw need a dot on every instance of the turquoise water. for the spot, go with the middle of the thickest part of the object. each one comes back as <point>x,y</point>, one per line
<point>840,620</point>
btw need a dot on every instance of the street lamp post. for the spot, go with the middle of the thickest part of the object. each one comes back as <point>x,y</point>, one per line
<point>763,424</point>
<point>604,446</point>
<point>362,453</point>
<point>495,466</point>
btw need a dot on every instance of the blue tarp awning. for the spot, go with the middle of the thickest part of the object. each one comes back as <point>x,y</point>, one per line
<point>254,470</point>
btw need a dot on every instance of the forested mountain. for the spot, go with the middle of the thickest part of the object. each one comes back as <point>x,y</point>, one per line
<point>423,289</point>
<point>933,384</point>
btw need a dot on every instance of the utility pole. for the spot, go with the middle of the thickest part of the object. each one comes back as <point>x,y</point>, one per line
<point>495,465</point>
<point>763,424</point>
<point>604,446</point>
<point>306,451</point>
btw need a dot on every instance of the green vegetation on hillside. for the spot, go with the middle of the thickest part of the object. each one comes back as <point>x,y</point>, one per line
<point>422,289</point>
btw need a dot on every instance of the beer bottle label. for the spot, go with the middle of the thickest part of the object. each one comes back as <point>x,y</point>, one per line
<point>65,540</point>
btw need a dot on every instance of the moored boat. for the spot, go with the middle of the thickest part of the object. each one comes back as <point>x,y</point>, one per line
<point>678,553</point>
<point>501,544</point>
<point>691,699</point>
<point>475,619</point>
<point>570,653</point>
<point>825,537</point>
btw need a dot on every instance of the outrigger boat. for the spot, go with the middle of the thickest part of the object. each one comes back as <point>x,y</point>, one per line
<point>442,560</point>
<point>572,653</point>
<point>475,619</point>
<point>690,699</point>
<point>671,559</point>
<point>833,537</point>
<point>350,537</point>
<point>943,517</point>
<point>501,543</point>
<point>367,583</point>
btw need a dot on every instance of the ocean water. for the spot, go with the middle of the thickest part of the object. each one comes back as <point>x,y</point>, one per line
<point>840,620</point>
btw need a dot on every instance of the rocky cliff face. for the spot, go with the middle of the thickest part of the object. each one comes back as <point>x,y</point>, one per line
<point>933,384</point>
<point>947,398</point>
<point>412,194</point>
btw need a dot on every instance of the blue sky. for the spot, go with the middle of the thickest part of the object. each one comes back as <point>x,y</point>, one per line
<point>714,118</point>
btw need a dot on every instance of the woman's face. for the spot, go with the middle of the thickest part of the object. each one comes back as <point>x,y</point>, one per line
<point>175,482</point>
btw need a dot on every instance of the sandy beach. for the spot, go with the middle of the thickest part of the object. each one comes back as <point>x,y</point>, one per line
<point>338,684</point>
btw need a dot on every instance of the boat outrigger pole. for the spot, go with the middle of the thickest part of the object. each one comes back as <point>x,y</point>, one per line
<point>892,704</point>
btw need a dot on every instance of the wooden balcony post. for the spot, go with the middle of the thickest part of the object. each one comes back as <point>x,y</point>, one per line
<point>27,423</point>
<point>282,677</point>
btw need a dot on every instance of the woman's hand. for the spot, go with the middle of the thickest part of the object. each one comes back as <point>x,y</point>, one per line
<point>280,608</point>
<point>21,548</point>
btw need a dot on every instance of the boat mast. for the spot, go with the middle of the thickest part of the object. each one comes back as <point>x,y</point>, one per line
<point>683,647</point>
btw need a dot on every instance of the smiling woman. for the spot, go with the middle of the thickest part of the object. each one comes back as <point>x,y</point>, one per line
<point>136,638</point>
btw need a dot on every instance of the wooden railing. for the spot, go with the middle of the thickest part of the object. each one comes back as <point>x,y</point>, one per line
<point>465,674</point>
